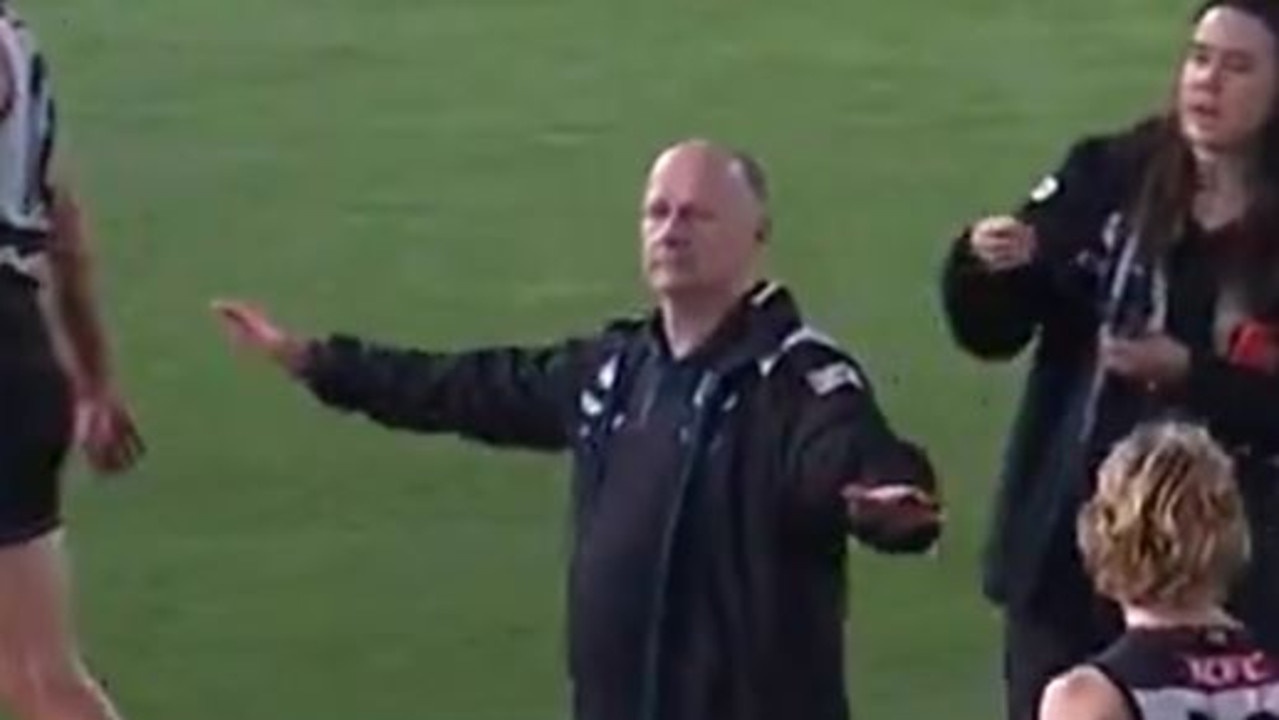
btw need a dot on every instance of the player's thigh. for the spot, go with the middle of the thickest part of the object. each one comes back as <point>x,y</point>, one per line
<point>35,432</point>
<point>34,589</point>
<point>37,640</point>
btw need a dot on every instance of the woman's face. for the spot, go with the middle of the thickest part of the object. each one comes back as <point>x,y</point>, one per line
<point>1226,91</point>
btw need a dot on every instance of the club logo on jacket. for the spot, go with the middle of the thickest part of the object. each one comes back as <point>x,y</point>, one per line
<point>592,400</point>
<point>1045,189</point>
<point>827,380</point>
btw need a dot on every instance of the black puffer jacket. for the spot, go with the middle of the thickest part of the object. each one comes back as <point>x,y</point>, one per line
<point>781,421</point>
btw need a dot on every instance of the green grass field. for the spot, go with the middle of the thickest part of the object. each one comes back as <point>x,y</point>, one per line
<point>446,172</point>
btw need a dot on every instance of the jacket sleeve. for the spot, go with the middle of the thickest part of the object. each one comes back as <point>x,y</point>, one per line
<point>507,396</point>
<point>1240,404</point>
<point>994,315</point>
<point>841,438</point>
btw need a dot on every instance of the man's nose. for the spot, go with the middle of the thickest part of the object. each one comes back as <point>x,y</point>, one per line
<point>670,229</point>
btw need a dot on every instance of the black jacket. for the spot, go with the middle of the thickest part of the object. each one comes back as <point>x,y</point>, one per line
<point>784,420</point>
<point>1055,305</point>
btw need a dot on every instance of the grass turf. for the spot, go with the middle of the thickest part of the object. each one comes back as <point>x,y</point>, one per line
<point>453,172</point>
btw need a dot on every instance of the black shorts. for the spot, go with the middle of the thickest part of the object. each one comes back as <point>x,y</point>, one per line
<point>35,419</point>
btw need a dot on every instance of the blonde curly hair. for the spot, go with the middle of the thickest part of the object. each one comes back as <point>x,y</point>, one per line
<point>1166,526</point>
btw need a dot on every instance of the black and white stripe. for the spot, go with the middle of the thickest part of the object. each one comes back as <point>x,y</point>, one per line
<point>27,133</point>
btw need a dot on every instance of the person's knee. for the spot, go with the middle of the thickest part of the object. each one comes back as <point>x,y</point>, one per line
<point>35,680</point>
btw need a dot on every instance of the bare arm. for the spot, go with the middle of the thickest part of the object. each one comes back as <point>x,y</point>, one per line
<point>1083,694</point>
<point>73,302</point>
<point>105,427</point>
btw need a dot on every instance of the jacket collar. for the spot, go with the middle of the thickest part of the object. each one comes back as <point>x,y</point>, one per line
<point>758,324</point>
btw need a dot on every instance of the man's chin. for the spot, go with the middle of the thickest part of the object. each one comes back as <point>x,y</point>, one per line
<point>668,288</point>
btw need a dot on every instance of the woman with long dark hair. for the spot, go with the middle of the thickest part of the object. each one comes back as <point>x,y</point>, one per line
<point>1145,273</point>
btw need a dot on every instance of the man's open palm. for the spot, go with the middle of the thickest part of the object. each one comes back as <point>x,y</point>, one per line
<point>251,328</point>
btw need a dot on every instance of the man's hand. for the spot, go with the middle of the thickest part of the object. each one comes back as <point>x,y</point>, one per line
<point>892,511</point>
<point>106,432</point>
<point>250,328</point>
<point>1155,359</point>
<point>1003,243</point>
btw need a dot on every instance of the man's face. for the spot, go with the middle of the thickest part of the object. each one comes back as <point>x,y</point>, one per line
<point>701,226</point>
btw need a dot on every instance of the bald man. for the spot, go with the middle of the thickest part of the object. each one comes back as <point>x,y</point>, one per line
<point>722,453</point>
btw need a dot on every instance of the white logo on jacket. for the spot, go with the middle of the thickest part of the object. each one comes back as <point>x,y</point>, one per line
<point>1045,189</point>
<point>827,380</point>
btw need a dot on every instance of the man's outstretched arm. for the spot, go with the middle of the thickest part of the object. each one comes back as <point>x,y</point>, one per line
<point>508,396</point>
<point>854,475</point>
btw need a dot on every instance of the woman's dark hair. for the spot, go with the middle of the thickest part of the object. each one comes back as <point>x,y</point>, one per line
<point>1166,190</point>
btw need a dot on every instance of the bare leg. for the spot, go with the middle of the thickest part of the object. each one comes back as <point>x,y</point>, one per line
<point>41,674</point>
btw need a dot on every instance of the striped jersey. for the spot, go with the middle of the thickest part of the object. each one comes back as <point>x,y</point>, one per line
<point>1193,673</point>
<point>27,124</point>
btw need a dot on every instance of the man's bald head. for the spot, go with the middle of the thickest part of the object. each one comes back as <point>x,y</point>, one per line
<point>710,157</point>
<point>704,217</point>
<point>751,171</point>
